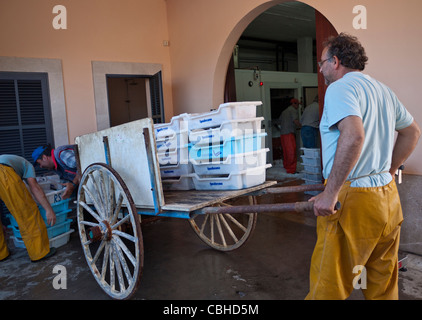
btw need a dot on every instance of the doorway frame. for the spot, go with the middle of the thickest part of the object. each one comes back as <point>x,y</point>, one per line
<point>147,90</point>
<point>266,97</point>
<point>100,70</point>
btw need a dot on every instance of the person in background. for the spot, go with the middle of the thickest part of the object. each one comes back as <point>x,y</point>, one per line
<point>16,197</point>
<point>360,157</point>
<point>62,160</point>
<point>289,120</point>
<point>310,125</point>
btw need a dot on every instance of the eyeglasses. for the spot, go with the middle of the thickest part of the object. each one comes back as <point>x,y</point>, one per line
<point>322,62</point>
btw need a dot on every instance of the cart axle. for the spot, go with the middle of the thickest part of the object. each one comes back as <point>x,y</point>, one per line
<point>101,232</point>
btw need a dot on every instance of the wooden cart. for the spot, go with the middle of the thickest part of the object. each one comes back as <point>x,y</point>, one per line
<point>121,181</point>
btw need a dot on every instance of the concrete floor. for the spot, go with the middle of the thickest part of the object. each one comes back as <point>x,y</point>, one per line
<point>272,265</point>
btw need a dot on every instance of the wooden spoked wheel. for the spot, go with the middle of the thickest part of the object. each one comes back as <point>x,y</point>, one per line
<point>110,231</point>
<point>224,232</point>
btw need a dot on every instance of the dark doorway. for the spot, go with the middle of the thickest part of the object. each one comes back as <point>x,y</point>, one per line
<point>134,97</point>
<point>127,99</point>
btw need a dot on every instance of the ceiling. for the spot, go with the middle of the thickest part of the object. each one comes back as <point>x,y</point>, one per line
<point>285,22</point>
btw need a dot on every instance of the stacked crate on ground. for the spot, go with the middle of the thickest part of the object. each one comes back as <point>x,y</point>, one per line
<point>312,173</point>
<point>59,233</point>
<point>225,150</point>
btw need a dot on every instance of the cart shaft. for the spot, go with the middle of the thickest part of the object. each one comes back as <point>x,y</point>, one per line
<point>261,208</point>
<point>305,206</point>
<point>292,189</point>
<point>277,207</point>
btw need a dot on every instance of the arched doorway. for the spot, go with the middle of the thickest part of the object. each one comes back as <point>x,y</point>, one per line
<point>298,50</point>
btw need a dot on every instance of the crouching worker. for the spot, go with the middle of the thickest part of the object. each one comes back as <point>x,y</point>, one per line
<point>16,197</point>
<point>62,160</point>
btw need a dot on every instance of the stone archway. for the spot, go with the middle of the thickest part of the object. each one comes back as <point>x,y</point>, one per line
<point>323,29</point>
<point>227,50</point>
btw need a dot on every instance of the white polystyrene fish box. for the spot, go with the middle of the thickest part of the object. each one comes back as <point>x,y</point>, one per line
<point>54,196</point>
<point>176,170</point>
<point>167,143</point>
<point>317,177</point>
<point>312,169</point>
<point>311,152</point>
<point>55,242</point>
<point>226,111</point>
<point>227,129</point>
<point>235,181</point>
<point>45,185</point>
<point>177,124</point>
<point>232,145</point>
<point>48,177</point>
<point>173,157</point>
<point>172,142</point>
<point>311,161</point>
<point>178,183</point>
<point>232,164</point>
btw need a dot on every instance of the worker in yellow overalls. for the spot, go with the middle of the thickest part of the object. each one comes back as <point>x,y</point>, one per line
<point>357,245</point>
<point>21,205</point>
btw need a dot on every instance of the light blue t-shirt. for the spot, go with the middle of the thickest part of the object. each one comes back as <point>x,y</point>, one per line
<point>357,94</point>
<point>22,167</point>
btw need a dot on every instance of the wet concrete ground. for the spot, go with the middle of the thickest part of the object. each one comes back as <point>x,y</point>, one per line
<point>272,265</point>
<point>177,265</point>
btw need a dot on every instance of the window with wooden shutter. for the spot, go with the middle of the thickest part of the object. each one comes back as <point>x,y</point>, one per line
<point>25,115</point>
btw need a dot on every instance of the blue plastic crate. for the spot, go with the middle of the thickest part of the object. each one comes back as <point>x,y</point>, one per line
<point>57,207</point>
<point>52,232</point>
<point>60,217</point>
<point>18,242</point>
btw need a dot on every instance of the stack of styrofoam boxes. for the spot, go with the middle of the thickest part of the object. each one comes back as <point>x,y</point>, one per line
<point>226,149</point>
<point>59,233</point>
<point>173,153</point>
<point>311,160</point>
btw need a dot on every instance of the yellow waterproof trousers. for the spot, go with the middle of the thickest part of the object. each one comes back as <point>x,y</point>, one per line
<point>357,247</point>
<point>32,227</point>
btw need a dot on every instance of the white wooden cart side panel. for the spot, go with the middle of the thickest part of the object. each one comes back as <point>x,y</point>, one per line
<point>128,156</point>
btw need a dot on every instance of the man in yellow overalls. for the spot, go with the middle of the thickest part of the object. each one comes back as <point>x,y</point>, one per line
<point>19,201</point>
<point>360,159</point>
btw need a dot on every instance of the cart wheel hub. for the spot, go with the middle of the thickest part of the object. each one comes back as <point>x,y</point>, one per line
<point>101,232</point>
